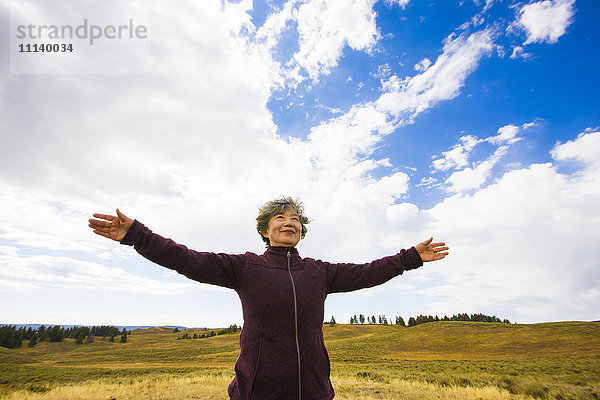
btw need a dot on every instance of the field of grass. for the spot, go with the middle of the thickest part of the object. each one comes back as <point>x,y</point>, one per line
<point>445,360</point>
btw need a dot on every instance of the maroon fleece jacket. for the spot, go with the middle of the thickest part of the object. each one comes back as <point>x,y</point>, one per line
<point>282,351</point>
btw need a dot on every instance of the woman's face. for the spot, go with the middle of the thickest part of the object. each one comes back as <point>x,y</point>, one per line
<point>284,229</point>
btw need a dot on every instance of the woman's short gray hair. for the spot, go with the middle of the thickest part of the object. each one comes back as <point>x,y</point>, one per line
<point>275,207</point>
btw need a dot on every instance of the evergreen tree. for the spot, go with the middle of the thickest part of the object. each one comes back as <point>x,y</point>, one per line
<point>412,322</point>
<point>332,322</point>
<point>362,319</point>
<point>10,337</point>
<point>57,334</point>
<point>124,338</point>
<point>42,333</point>
<point>80,337</point>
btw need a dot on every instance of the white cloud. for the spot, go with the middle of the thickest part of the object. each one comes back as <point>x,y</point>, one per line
<point>422,65</point>
<point>324,29</point>
<point>473,178</point>
<point>107,255</point>
<point>519,52</point>
<point>33,272</point>
<point>9,251</point>
<point>488,4</point>
<point>525,242</point>
<point>507,134</point>
<point>401,3</point>
<point>383,71</point>
<point>441,81</point>
<point>428,182</point>
<point>47,223</point>
<point>545,21</point>
<point>326,26</point>
<point>585,148</point>
<point>458,156</point>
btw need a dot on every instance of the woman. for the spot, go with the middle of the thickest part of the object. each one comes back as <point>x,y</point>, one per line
<point>282,351</point>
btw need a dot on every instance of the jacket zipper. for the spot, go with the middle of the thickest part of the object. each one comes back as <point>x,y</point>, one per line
<point>289,256</point>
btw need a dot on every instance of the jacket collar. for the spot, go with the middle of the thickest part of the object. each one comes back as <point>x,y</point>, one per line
<point>279,253</point>
<point>282,251</point>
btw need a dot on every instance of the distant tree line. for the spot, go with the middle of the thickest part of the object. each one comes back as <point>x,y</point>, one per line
<point>232,329</point>
<point>371,320</point>
<point>11,337</point>
<point>422,319</point>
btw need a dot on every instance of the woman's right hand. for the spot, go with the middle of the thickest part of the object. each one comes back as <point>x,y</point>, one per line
<point>110,226</point>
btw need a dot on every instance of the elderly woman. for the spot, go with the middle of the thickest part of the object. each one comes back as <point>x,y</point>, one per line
<point>282,351</point>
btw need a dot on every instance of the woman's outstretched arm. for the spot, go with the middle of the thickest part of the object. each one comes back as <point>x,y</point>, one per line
<point>346,277</point>
<point>216,269</point>
<point>110,226</point>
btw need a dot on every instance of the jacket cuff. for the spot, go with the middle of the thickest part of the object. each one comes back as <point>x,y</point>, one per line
<point>414,257</point>
<point>132,233</point>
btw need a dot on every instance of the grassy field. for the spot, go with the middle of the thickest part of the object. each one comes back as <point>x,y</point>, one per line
<point>443,360</point>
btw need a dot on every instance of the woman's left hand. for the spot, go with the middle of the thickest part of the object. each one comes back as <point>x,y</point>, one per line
<point>431,251</point>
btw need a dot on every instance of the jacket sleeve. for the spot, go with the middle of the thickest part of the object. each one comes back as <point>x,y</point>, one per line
<point>348,277</point>
<point>216,269</point>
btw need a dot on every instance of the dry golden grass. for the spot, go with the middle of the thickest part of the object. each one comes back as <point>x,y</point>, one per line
<point>214,387</point>
<point>158,388</point>
<point>358,389</point>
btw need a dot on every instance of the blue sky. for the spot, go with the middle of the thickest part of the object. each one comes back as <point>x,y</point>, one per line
<point>472,121</point>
